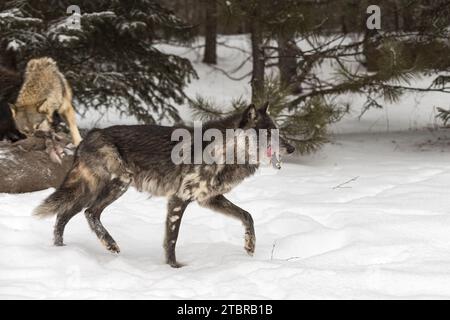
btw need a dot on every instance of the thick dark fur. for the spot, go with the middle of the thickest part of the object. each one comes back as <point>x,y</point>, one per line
<point>10,85</point>
<point>108,161</point>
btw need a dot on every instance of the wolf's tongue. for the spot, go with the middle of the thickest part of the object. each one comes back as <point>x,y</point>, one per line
<point>269,152</point>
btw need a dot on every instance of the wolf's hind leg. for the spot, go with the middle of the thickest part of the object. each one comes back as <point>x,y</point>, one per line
<point>223,205</point>
<point>61,221</point>
<point>175,210</point>
<point>110,193</point>
<point>69,199</point>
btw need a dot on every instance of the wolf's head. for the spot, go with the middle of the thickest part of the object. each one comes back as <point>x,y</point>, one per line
<point>260,119</point>
<point>29,121</point>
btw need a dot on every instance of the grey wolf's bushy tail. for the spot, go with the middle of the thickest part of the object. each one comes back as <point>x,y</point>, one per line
<point>71,194</point>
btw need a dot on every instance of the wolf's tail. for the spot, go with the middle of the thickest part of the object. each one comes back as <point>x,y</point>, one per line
<point>73,194</point>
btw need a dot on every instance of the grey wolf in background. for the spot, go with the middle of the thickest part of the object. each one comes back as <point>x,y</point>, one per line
<point>44,92</point>
<point>110,160</point>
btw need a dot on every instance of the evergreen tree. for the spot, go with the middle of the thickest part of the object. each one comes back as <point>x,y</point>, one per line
<point>111,61</point>
<point>380,66</point>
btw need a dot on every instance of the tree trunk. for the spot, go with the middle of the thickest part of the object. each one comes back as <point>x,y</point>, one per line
<point>370,49</point>
<point>186,10</point>
<point>399,20</point>
<point>25,166</point>
<point>287,61</point>
<point>210,55</point>
<point>257,55</point>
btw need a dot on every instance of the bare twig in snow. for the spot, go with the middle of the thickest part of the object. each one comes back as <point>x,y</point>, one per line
<point>344,184</point>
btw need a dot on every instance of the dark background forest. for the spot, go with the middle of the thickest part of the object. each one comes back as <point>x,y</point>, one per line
<point>114,59</point>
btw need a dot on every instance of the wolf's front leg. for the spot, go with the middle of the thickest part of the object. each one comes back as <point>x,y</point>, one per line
<point>223,205</point>
<point>175,210</point>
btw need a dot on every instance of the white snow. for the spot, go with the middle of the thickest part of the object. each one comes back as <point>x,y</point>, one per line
<point>14,14</point>
<point>64,38</point>
<point>366,217</point>
<point>14,45</point>
<point>5,155</point>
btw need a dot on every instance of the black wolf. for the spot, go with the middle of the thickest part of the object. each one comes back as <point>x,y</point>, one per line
<point>10,84</point>
<point>110,160</point>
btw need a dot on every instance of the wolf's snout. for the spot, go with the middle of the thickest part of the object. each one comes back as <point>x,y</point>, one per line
<point>286,148</point>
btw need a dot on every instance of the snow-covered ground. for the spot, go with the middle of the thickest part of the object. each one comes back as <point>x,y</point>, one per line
<point>366,217</point>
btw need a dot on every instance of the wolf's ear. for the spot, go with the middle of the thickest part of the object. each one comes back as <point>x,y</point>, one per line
<point>249,116</point>
<point>250,113</point>
<point>265,108</point>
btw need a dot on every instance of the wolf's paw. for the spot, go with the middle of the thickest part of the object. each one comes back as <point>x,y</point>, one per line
<point>176,265</point>
<point>250,241</point>
<point>58,241</point>
<point>112,247</point>
<point>172,261</point>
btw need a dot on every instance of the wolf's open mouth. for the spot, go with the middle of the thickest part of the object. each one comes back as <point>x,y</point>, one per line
<point>275,158</point>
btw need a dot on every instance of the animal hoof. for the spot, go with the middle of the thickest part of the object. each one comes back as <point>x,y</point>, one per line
<point>250,242</point>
